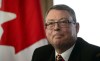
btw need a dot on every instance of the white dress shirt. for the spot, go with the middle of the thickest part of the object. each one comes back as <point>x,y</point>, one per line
<point>66,54</point>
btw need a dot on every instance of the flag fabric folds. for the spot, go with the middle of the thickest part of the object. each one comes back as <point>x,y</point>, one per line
<point>21,29</point>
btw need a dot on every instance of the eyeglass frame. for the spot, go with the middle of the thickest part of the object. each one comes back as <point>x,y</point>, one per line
<point>64,22</point>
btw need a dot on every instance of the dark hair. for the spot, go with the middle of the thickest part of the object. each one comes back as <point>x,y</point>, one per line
<point>64,7</point>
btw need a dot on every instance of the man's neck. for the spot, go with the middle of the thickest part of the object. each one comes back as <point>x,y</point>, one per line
<point>62,49</point>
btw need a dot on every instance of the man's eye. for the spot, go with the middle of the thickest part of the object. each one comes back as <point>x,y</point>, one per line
<point>64,21</point>
<point>51,23</point>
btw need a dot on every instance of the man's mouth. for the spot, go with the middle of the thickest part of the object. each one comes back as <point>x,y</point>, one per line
<point>57,36</point>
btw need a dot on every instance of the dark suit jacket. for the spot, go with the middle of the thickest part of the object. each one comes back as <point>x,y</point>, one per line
<point>82,51</point>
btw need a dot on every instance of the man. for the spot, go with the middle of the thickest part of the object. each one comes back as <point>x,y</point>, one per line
<point>61,30</point>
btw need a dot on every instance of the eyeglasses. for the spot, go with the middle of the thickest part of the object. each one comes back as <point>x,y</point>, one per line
<point>62,24</point>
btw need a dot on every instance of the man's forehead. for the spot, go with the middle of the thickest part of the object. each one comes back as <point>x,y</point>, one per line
<point>57,14</point>
<point>53,11</point>
<point>60,19</point>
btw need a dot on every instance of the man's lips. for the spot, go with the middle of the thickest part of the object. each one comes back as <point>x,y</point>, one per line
<point>58,35</point>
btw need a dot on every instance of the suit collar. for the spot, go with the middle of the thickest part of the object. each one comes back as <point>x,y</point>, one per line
<point>52,57</point>
<point>75,55</point>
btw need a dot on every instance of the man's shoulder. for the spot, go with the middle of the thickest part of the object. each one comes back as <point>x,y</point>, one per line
<point>45,48</point>
<point>42,53</point>
<point>87,45</point>
<point>86,50</point>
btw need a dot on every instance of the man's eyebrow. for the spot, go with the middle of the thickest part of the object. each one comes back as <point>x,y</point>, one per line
<point>50,20</point>
<point>63,18</point>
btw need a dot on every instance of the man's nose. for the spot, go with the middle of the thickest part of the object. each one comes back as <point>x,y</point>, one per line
<point>56,27</point>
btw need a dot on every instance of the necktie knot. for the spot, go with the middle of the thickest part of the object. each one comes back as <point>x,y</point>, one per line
<point>59,58</point>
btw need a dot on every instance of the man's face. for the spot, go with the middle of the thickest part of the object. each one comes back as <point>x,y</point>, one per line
<point>60,35</point>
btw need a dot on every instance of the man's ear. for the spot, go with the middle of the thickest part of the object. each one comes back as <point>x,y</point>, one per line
<point>77,27</point>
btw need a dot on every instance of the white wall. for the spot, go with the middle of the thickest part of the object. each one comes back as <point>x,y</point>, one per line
<point>88,15</point>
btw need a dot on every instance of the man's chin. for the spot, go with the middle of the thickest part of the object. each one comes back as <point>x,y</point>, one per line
<point>57,41</point>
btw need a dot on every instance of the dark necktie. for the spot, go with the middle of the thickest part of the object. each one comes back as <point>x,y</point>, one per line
<point>59,58</point>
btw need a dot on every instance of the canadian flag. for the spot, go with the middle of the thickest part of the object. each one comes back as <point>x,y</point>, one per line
<point>21,29</point>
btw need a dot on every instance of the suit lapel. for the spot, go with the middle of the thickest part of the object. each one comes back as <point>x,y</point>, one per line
<point>75,55</point>
<point>52,57</point>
